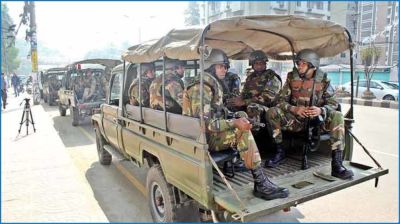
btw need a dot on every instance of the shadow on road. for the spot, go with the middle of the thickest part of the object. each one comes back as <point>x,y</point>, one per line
<point>71,136</point>
<point>119,200</point>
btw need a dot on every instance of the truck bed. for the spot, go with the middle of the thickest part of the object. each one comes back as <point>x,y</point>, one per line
<point>303,185</point>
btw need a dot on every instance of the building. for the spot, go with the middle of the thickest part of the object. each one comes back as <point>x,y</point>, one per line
<point>214,10</point>
<point>378,26</point>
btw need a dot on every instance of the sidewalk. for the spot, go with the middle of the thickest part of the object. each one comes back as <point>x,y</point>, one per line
<point>39,181</point>
<point>373,103</point>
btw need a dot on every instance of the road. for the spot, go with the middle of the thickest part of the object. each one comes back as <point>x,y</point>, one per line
<point>110,191</point>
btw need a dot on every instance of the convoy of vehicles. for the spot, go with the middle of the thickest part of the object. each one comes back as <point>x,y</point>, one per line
<point>182,178</point>
<point>84,78</point>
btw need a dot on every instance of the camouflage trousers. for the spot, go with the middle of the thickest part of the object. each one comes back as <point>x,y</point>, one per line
<point>279,121</point>
<point>242,141</point>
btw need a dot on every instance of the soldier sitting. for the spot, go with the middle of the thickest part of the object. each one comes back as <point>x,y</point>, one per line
<point>147,72</point>
<point>304,84</point>
<point>222,133</point>
<point>174,87</point>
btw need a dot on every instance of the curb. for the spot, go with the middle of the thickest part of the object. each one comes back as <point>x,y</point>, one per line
<point>372,103</point>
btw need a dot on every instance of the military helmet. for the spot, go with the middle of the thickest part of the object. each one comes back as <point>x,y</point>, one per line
<point>309,56</point>
<point>257,56</point>
<point>173,63</point>
<point>216,57</point>
<point>146,66</point>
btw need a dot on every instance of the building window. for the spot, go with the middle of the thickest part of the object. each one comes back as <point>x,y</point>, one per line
<point>298,3</point>
<point>281,4</point>
<point>342,55</point>
<point>320,5</point>
<point>328,18</point>
<point>329,5</point>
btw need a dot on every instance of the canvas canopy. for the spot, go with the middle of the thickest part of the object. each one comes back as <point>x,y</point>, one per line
<point>239,36</point>
<point>56,70</point>
<point>105,62</point>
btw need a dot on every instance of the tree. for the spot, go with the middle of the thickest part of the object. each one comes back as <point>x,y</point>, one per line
<point>369,57</point>
<point>192,14</point>
<point>9,52</point>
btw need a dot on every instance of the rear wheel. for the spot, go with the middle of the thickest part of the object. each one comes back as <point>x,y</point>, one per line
<point>388,97</point>
<point>160,196</point>
<point>49,100</point>
<point>74,115</point>
<point>104,156</point>
<point>62,111</point>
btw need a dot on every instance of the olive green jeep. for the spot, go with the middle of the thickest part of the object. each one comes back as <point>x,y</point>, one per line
<point>186,181</point>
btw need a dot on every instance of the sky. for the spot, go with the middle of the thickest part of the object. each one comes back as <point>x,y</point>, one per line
<point>74,28</point>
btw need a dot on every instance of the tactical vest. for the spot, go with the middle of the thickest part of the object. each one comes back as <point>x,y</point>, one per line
<point>301,88</point>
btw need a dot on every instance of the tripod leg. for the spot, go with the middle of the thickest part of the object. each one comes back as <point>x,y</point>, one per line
<point>33,123</point>
<point>27,122</point>
<point>22,121</point>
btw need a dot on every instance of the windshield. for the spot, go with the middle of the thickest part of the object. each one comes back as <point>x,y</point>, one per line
<point>390,85</point>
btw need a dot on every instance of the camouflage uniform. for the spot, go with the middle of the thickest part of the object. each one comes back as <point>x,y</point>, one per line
<point>221,133</point>
<point>261,88</point>
<point>297,92</point>
<point>173,93</point>
<point>145,93</point>
<point>90,83</point>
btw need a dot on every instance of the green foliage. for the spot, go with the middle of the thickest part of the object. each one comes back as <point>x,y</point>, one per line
<point>370,55</point>
<point>192,14</point>
<point>9,52</point>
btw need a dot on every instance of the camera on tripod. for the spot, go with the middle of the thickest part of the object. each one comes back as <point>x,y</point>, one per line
<point>26,101</point>
<point>26,116</point>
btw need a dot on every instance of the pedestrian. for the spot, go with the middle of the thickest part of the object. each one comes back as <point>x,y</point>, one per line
<point>4,88</point>
<point>15,82</point>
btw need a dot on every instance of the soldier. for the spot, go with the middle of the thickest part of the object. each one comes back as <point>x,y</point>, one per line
<point>147,71</point>
<point>173,88</point>
<point>304,83</point>
<point>231,84</point>
<point>261,86</point>
<point>90,86</point>
<point>222,133</point>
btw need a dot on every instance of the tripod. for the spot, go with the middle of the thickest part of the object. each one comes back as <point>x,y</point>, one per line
<point>27,113</point>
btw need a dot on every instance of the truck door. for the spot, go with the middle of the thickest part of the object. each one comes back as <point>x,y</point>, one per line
<point>110,111</point>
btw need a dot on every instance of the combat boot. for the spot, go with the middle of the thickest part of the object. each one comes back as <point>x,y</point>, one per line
<point>264,188</point>
<point>279,156</point>
<point>338,170</point>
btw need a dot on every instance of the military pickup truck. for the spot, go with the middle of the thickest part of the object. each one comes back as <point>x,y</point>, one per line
<point>186,179</point>
<point>51,83</point>
<point>84,87</point>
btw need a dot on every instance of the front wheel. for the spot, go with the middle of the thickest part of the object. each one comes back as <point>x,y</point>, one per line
<point>389,97</point>
<point>160,196</point>
<point>62,111</point>
<point>104,156</point>
<point>74,115</point>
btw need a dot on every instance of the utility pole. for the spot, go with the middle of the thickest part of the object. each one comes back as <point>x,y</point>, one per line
<point>30,8</point>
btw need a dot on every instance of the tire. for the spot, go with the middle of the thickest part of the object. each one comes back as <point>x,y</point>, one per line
<point>49,101</point>
<point>160,196</point>
<point>62,111</point>
<point>75,116</point>
<point>389,97</point>
<point>104,156</point>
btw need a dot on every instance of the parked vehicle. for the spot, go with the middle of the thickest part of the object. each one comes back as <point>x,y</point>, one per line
<point>51,83</point>
<point>75,86</point>
<point>394,84</point>
<point>182,178</point>
<point>382,90</point>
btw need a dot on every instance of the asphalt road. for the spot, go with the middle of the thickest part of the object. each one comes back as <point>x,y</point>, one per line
<point>119,193</point>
